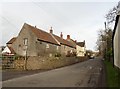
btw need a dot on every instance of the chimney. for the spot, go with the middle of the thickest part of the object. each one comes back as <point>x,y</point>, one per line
<point>68,36</point>
<point>51,31</point>
<point>84,41</point>
<point>61,35</point>
<point>75,41</point>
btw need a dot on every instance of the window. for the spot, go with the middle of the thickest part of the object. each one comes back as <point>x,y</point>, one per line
<point>25,41</point>
<point>57,47</point>
<point>64,47</point>
<point>47,45</point>
<point>40,42</point>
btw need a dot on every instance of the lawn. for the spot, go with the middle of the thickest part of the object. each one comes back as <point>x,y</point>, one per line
<point>112,74</point>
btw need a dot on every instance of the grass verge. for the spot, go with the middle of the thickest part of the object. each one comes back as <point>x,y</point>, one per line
<point>112,74</point>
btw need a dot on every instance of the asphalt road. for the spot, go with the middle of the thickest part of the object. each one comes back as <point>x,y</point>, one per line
<point>10,74</point>
<point>85,74</point>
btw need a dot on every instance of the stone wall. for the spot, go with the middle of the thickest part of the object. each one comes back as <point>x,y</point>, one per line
<point>34,63</point>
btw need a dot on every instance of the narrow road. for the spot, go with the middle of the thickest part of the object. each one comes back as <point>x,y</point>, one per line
<point>85,74</point>
<point>10,74</point>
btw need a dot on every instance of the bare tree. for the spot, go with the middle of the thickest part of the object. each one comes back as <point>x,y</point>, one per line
<point>111,15</point>
<point>104,42</point>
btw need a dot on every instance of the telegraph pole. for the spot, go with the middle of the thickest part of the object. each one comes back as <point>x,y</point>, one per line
<point>26,49</point>
<point>106,40</point>
<point>25,67</point>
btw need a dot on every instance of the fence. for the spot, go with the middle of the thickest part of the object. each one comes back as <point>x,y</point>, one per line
<point>7,62</point>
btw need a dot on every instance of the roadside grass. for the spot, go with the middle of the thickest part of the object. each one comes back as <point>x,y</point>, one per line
<point>113,75</point>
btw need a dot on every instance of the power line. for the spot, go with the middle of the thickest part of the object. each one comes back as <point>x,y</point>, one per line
<point>4,18</point>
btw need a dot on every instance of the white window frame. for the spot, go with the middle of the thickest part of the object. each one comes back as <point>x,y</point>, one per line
<point>57,48</point>
<point>47,46</point>
<point>25,41</point>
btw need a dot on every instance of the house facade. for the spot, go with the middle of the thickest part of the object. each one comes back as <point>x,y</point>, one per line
<point>81,49</point>
<point>32,41</point>
<point>73,42</point>
<point>66,46</point>
<point>8,50</point>
<point>116,42</point>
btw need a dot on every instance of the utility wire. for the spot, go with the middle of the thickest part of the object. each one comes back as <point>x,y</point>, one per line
<point>4,18</point>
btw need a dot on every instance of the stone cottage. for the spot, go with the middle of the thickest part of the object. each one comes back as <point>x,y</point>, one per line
<point>81,49</point>
<point>73,42</point>
<point>116,42</point>
<point>10,42</point>
<point>32,41</point>
<point>66,46</point>
<point>8,50</point>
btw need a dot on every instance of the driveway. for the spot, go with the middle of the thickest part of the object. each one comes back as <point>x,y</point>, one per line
<point>85,74</point>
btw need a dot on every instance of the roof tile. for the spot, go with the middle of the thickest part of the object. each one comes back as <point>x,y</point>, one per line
<point>11,40</point>
<point>48,37</point>
<point>42,35</point>
<point>82,44</point>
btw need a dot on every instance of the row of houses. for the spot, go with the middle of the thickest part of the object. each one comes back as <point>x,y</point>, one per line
<point>32,41</point>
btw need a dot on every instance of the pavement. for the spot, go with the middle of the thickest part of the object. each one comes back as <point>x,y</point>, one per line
<point>84,74</point>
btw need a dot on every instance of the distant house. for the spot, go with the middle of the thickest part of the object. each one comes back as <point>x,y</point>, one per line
<point>116,42</point>
<point>10,42</point>
<point>81,49</point>
<point>8,51</point>
<point>73,42</point>
<point>66,46</point>
<point>32,41</point>
<point>1,49</point>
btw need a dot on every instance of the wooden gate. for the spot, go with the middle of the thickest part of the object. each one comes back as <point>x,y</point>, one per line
<point>8,62</point>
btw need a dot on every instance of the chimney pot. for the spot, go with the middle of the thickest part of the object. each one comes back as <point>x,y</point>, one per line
<point>68,36</point>
<point>61,35</point>
<point>51,31</point>
<point>84,41</point>
<point>75,41</point>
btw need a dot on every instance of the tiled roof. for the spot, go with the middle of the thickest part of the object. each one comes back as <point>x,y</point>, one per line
<point>11,40</point>
<point>82,44</point>
<point>63,41</point>
<point>42,35</point>
<point>72,42</point>
<point>12,51</point>
<point>48,37</point>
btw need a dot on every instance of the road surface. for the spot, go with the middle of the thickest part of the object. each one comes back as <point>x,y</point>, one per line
<point>85,74</point>
<point>10,74</point>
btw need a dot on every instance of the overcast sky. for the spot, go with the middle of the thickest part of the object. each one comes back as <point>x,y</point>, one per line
<point>81,20</point>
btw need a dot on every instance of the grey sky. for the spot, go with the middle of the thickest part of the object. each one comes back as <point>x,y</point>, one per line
<point>81,20</point>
